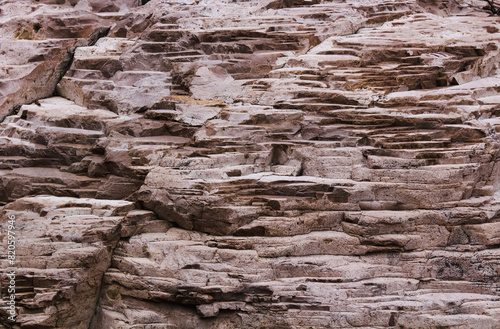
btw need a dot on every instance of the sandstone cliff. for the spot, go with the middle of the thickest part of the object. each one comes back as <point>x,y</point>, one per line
<point>250,163</point>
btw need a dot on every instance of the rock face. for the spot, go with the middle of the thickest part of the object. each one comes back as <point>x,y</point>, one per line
<point>250,164</point>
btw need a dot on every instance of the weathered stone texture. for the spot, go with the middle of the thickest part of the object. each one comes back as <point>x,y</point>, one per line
<point>251,164</point>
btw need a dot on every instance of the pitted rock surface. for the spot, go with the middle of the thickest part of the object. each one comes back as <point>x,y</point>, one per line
<point>251,164</point>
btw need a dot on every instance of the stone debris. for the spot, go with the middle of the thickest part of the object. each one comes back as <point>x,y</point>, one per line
<point>250,164</point>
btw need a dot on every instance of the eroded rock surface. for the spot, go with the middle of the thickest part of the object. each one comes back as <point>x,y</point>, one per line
<point>251,164</point>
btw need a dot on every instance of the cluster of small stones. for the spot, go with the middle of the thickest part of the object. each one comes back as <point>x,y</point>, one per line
<point>250,163</point>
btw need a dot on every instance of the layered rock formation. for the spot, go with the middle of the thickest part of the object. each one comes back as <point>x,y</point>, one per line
<point>251,164</point>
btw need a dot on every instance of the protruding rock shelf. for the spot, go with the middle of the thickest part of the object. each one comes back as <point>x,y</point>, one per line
<point>250,164</point>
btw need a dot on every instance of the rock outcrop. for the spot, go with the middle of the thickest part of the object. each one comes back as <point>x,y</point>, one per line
<point>250,164</point>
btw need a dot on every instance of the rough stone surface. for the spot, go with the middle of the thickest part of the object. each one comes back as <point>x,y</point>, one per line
<point>250,164</point>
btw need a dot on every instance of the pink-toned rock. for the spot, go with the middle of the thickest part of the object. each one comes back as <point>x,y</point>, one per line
<point>251,164</point>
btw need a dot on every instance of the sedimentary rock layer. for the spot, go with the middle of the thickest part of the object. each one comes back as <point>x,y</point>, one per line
<point>250,164</point>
